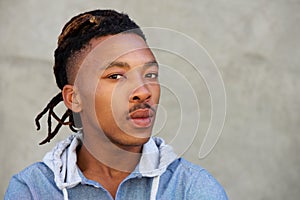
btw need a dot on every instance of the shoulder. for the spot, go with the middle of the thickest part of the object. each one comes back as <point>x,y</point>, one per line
<point>33,172</point>
<point>185,167</point>
<point>200,184</point>
<point>22,184</point>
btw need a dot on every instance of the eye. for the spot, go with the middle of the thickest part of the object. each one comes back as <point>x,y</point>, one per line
<point>115,76</point>
<point>151,75</point>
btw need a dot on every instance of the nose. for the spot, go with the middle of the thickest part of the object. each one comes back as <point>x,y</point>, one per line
<point>140,94</point>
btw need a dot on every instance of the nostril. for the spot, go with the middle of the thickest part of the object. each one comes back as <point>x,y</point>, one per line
<point>135,98</point>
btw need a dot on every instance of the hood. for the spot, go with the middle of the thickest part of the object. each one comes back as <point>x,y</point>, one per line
<point>62,161</point>
<point>156,157</point>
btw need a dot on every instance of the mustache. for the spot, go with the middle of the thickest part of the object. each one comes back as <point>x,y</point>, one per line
<point>141,106</point>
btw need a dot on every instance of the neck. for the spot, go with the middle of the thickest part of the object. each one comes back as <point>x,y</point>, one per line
<point>99,151</point>
<point>113,160</point>
<point>88,164</point>
<point>105,162</point>
<point>93,169</point>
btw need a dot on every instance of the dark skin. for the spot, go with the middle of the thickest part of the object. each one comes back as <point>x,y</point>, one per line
<point>92,169</point>
<point>112,144</point>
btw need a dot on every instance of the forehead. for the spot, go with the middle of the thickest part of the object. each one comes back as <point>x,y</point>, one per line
<point>127,47</point>
<point>101,52</point>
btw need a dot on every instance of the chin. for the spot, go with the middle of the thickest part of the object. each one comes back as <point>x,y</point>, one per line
<point>140,141</point>
<point>130,141</point>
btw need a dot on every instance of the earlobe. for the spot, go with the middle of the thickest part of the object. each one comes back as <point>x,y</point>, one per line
<point>71,98</point>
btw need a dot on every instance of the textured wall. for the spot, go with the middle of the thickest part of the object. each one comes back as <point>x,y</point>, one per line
<point>254,43</point>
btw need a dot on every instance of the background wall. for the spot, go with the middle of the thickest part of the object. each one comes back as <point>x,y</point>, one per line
<point>254,43</point>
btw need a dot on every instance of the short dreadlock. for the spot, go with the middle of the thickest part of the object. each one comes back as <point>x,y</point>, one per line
<point>75,36</point>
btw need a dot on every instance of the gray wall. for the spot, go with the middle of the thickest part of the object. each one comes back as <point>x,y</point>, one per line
<point>254,43</point>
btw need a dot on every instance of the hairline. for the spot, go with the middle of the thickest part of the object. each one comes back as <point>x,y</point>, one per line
<point>76,58</point>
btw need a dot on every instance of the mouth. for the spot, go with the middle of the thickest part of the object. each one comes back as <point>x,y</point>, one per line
<point>142,118</point>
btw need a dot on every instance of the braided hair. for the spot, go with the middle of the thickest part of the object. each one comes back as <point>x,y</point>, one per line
<point>75,37</point>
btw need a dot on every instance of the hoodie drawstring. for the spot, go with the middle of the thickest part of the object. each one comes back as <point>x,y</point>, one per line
<point>154,188</point>
<point>65,193</point>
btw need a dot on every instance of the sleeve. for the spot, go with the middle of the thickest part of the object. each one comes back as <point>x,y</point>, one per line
<point>17,189</point>
<point>205,187</point>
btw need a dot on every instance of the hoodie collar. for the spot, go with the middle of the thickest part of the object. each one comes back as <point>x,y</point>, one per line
<point>156,157</point>
<point>62,161</point>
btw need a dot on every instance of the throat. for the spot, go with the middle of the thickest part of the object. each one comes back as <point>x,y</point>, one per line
<point>95,170</point>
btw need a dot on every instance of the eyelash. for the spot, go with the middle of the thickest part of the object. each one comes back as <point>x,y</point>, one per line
<point>151,74</point>
<point>148,75</point>
<point>113,76</point>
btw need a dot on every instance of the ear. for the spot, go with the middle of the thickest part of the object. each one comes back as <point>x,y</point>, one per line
<point>71,98</point>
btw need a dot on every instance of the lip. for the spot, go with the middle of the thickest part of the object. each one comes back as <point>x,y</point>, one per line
<point>141,118</point>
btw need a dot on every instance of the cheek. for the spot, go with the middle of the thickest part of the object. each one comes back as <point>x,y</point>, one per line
<point>103,110</point>
<point>102,99</point>
<point>109,102</point>
<point>155,89</point>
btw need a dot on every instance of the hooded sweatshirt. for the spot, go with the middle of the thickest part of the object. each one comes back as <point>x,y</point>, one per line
<point>160,174</point>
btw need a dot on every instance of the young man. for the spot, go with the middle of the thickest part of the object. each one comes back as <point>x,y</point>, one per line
<point>108,78</point>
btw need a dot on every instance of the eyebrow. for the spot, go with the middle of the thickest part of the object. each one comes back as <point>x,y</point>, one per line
<point>151,63</point>
<point>118,64</point>
<point>126,65</point>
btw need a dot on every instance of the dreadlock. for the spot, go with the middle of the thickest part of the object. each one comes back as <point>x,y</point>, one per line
<point>75,36</point>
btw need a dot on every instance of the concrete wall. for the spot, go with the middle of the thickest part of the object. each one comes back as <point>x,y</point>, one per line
<point>255,44</point>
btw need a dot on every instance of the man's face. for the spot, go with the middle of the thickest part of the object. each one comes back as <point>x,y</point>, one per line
<point>119,89</point>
